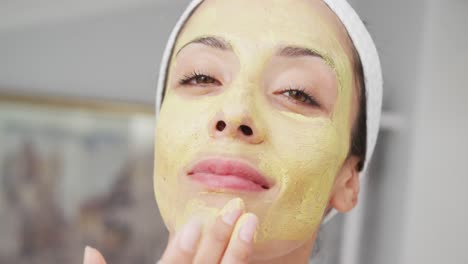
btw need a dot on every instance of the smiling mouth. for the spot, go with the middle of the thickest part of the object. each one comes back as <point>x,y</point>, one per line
<point>228,174</point>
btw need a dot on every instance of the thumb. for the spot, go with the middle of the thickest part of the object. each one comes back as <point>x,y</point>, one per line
<point>92,256</point>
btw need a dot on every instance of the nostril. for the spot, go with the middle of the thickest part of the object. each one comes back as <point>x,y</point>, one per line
<point>246,130</point>
<point>220,126</point>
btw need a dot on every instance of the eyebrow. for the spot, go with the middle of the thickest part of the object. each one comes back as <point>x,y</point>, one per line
<point>296,51</point>
<point>286,51</point>
<point>210,41</point>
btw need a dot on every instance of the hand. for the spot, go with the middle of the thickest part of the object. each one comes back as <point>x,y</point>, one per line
<point>228,240</point>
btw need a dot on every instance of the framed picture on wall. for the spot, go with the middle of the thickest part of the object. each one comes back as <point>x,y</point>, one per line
<point>75,173</point>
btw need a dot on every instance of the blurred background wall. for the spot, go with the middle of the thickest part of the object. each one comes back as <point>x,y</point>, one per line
<point>412,206</point>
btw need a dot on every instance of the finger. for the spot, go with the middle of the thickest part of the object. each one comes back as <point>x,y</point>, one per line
<point>215,240</point>
<point>240,245</point>
<point>182,248</point>
<point>92,256</point>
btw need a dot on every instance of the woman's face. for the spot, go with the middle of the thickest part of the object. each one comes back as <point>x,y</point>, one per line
<point>258,105</point>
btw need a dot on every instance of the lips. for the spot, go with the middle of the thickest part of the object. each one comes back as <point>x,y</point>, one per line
<point>228,174</point>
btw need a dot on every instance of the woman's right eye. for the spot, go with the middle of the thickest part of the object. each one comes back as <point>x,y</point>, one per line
<point>198,79</point>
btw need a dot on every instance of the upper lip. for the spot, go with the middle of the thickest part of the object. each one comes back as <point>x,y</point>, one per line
<point>230,167</point>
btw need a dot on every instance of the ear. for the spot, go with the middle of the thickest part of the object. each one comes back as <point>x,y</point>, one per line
<point>345,191</point>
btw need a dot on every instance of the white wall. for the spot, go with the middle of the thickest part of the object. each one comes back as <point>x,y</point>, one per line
<point>16,14</point>
<point>111,55</point>
<point>436,215</point>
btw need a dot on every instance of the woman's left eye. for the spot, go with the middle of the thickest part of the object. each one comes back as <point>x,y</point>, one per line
<point>198,79</point>
<point>300,96</point>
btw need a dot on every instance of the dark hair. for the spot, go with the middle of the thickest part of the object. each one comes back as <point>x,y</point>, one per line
<point>359,132</point>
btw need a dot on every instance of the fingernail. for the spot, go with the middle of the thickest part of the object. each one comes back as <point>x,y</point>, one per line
<point>189,235</point>
<point>247,230</point>
<point>232,210</point>
<point>89,255</point>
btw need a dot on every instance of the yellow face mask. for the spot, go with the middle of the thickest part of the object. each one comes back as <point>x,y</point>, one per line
<point>283,68</point>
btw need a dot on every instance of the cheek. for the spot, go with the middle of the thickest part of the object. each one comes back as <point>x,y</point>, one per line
<point>182,127</point>
<point>176,131</point>
<point>305,157</point>
<point>180,133</point>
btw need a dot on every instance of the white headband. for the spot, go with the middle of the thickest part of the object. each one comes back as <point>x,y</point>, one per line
<point>362,42</point>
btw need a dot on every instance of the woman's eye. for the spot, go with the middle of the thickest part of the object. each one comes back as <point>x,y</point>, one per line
<point>198,79</point>
<point>301,97</point>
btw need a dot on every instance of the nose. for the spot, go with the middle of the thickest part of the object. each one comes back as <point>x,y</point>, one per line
<point>239,127</point>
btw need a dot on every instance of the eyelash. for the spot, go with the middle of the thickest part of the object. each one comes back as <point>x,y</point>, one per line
<point>195,75</point>
<point>308,99</point>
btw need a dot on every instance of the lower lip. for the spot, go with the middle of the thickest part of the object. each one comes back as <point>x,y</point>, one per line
<point>233,182</point>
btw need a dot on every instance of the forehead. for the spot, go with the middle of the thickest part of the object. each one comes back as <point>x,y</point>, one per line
<point>258,25</point>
